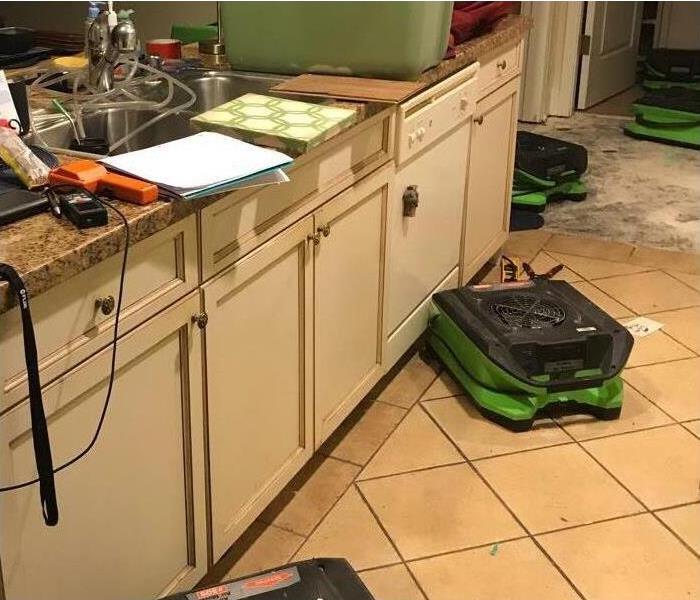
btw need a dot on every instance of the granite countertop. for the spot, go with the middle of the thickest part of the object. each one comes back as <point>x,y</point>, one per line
<point>46,251</point>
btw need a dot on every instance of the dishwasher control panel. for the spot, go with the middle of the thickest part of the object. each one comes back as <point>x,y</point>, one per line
<point>430,115</point>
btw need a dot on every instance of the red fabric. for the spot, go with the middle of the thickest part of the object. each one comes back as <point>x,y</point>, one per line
<point>470,19</point>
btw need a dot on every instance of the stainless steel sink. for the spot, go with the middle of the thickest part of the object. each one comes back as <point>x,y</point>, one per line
<point>212,88</point>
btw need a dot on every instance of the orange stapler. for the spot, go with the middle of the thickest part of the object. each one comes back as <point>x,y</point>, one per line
<point>95,178</point>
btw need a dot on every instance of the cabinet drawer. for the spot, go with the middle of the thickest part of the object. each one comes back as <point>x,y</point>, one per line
<point>427,117</point>
<point>70,327</point>
<point>238,223</point>
<point>499,69</point>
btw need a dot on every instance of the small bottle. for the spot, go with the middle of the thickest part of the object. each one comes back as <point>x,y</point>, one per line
<point>93,11</point>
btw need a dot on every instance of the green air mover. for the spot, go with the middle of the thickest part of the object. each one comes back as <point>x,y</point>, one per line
<point>670,116</point>
<point>665,67</point>
<point>547,169</point>
<point>524,349</point>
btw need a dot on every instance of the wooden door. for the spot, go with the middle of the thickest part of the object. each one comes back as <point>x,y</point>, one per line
<point>259,379</point>
<point>609,56</point>
<point>348,299</point>
<point>490,177</point>
<point>132,511</point>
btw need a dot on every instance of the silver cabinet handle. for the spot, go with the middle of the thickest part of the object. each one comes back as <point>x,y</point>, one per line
<point>105,304</point>
<point>479,120</point>
<point>315,238</point>
<point>324,229</point>
<point>501,64</point>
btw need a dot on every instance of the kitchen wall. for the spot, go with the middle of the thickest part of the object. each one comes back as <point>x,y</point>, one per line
<point>153,19</point>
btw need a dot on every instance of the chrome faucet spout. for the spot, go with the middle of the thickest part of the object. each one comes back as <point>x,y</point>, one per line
<point>104,47</point>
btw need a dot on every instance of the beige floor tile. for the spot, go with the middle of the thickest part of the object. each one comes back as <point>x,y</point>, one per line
<point>682,325</point>
<point>637,413</point>
<point>602,300</point>
<point>526,244</point>
<point>409,384</point>
<point>649,292</point>
<point>439,510</point>
<point>591,247</point>
<point>557,487</point>
<point>515,570</point>
<point>595,268</point>
<point>391,583</point>
<point>272,547</point>
<point>626,559</point>
<point>478,437</point>
<point>310,495</point>
<point>666,259</point>
<point>688,278</point>
<point>673,386</point>
<point>543,262</point>
<point>417,443</point>
<point>359,436</point>
<point>351,531</point>
<point>443,387</point>
<point>659,466</point>
<point>655,348</point>
<point>693,427</point>
<point>685,521</point>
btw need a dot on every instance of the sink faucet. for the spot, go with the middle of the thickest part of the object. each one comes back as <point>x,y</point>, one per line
<point>104,47</point>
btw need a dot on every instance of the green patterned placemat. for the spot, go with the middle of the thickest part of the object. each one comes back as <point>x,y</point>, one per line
<point>276,122</point>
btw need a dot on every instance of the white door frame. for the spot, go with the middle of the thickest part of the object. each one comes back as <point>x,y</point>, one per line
<point>550,70</point>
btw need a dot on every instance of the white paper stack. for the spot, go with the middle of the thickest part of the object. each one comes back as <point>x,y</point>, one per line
<point>202,164</point>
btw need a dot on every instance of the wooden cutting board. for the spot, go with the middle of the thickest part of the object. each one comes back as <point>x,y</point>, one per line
<point>350,88</point>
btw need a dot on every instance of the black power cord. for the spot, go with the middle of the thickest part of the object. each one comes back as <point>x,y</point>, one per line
<point>100,423</point>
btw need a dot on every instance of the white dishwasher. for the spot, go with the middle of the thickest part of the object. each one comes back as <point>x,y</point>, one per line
<point>432,151</point>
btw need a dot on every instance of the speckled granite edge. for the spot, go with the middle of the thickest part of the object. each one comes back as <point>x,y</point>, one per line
<point>47,252</point>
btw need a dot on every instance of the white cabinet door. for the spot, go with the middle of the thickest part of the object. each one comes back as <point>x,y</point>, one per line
<point>259,379</point>
<point>424,248</point>
<point>490,177</point>
<point>132,511</point>
<point>348,297</point>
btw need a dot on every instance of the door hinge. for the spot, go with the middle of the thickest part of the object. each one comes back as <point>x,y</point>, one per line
<point>585,45</point>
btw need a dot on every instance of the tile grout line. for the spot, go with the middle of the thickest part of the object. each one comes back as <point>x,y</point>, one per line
<point>670,416</point>
<point>649,510</point>
<point>510,511</point>
<point>410,471</point>
<point>394,545</point>
<point>680,280</point>
<point>352,482</point>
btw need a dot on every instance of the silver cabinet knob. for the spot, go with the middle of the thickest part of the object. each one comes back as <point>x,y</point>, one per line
<point>501,64</point>
<point>324,229</point>
<point>315,238</point>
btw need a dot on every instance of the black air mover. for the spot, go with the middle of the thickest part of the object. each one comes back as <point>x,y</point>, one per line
<point>546,169</point>
<point>524,348</point>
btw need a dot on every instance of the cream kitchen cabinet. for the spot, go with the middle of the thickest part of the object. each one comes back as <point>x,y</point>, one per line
<point>259,379</point>
<point>433,132</point>
<point>490,176</point>
<point>297,320</point>
<point>349,258</point>
<point>132,511</point>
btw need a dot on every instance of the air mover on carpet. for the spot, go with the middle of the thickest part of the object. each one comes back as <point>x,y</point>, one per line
<point>546,169</point>
<point>526,348</point>
<point>669,116</point>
